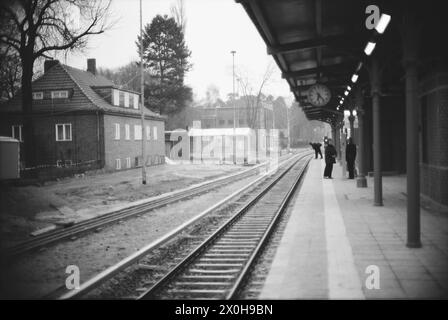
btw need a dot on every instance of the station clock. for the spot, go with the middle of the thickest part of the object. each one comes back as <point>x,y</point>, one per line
<point>319,95</point>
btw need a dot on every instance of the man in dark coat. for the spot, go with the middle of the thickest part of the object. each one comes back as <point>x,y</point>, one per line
<point>316,147</point>
<point>318,151</point>
<point>350,156</point>
<point>330,158</point>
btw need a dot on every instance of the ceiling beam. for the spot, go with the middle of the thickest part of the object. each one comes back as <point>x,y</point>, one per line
<point>322,69</point>
<point>339,41</point>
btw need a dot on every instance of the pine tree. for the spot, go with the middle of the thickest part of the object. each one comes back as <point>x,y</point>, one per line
<point>166,57</point>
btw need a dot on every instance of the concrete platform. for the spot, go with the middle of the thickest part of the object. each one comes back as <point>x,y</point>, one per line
<point>335,233</point>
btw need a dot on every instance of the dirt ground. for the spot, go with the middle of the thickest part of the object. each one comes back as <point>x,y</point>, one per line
<point>37,274</point>
<point>24,210</point>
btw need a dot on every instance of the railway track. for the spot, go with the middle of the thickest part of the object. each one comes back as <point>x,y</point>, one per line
<point>102,221</point>
<point>218,266</point>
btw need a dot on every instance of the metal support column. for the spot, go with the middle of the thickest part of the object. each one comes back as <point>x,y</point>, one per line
<point>336,139</point>
<point>351,119</point>
<point>376,87</point>
<point>410,56</point>
<point>361,181</point>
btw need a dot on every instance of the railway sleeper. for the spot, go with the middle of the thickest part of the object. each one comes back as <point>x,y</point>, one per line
<point>214,272</point>
<point>232,250</point>
<point>181,293</point>
<point>203,284</point>
<point>217,278</point>
<point>228,255</point>
<point>218,265</point>
<point>223,259</point>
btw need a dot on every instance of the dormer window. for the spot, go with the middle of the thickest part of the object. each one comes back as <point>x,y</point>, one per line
<point>116,101</point>
<point>126,99</point>
<point>38,95</point>
<point>136,101</point>
<point>60,94</point>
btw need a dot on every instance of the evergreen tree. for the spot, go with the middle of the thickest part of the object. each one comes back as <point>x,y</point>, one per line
<point>166,57</point>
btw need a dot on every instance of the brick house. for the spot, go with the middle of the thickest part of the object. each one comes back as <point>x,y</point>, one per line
<point>82,119</point>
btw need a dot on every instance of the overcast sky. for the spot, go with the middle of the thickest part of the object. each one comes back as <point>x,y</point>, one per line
<point>214,28</point>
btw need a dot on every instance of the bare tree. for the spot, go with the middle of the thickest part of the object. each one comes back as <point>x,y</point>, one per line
<point>37,28</point>
<point>179,14</point>
<point>10,72</point>
<point>253,97</point>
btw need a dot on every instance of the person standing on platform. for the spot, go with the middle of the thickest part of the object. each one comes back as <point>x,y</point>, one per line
<point>330,158</point>
<point>318,151</point>
<point>350,156</point>
<point>313,145</point>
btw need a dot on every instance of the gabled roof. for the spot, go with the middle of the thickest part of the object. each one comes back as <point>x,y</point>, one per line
<point>83,96</point>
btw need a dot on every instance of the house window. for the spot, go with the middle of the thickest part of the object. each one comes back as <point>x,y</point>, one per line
<point>68,163</point>
<point>38,95</point>
<point>155,132</point>
<point>137,132</point>
<point>128,162</point>
<point>59,163</point>
<point>117,131</point>
<point>116,101</point>
<point>121,98</point>
<point>148,133</point>
<point>126,99</point>
<point>64,132</point>
<point>16,131</point>
<point>61,94</point>
<point>118,164</point>
<point>127,132</point>
<point>230,121</point>
<point>136,97</point>
<point>222,121</point>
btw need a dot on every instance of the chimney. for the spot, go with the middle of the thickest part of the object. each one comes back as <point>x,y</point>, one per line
<point>49,64</point>
<point>91,66</point>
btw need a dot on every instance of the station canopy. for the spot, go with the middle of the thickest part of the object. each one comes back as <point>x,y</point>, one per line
<point>313,41</point>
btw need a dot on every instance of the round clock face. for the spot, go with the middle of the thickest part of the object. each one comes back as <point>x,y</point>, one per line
<point>319,95</point>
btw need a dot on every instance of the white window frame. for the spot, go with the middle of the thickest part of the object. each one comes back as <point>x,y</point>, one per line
<point>117,164</point>
<point>136,100</point>
<point>116,98</point>
<point>126,99</point>
<point>20,132</point>
<point>148,133</point>
<point>117,131</point>
<point>128,162</point>
<point>59,163</point>
<point>64,138</point>
<point>154,132</point>
<point>59,94</point>
<point>38,95</point>
<point>137,132</point>
<point>127,132</point>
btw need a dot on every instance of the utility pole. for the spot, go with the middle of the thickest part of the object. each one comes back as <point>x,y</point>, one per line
<point>142,98</point>
<point>234,107</point>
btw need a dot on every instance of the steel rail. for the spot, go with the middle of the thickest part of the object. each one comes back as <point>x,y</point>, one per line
<point>114,216</point>
<point>217,234</point>
<point>258,250</point>
<point>105,275</point>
